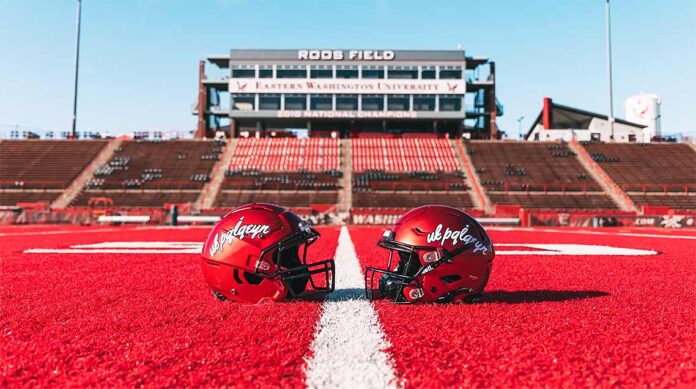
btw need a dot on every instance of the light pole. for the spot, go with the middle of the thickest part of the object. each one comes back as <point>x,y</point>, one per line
<point>611,93</point>
<point>519,126</point>
<point>77,67</point>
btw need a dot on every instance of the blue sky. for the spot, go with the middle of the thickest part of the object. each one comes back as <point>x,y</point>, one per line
<point>139,58</point>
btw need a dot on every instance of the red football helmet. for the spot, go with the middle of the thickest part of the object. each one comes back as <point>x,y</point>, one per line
<point>258,251</point>
<point>443,255</point>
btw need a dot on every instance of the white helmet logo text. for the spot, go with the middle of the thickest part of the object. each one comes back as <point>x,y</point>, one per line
<point>239,231</point>
<point>456,236</point>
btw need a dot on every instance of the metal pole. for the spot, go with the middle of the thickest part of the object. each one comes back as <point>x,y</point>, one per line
<point>77,67</point>
<point>611,93</point>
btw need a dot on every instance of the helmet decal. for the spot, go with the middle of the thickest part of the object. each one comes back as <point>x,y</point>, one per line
<point>457,236</point>
<point>239,231</point>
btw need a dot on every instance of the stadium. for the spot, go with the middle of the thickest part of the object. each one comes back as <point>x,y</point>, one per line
<point>593,220</point>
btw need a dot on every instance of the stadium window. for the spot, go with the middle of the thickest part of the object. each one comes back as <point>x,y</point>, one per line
<point>265,73</point>
<point>320,73</point>
<point>410,74</point>
<point>269,102</point>
<point>372,103</point>
<point>428,74</point>
<point>373,73</point>
<point>450,74</point>
<point>450,103</point>
<point>243,73</point>
<point>243,102</point>
<point>320,103</point>
<point>291,73</point>
<point>424,103</point>
<point>346,73</point>
<point>347,102</point>
<point>397,103</point>
<point>296,102</point>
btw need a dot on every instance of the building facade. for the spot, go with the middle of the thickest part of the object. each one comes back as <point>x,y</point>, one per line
<point>558,122</point>
<point>345,91</point>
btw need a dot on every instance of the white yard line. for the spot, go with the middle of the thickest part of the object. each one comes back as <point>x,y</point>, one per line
<point>349,347</point>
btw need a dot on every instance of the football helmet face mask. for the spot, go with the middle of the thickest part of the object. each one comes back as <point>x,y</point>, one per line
<point>259,252</point>
<point>436,254</point>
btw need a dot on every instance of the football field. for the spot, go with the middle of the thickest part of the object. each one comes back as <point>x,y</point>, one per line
<point>127,306</point>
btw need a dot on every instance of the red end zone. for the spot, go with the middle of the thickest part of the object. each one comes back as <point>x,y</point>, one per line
<point>99,315</point>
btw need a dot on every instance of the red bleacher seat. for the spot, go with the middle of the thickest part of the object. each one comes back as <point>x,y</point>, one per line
<point>403,154</point>
<point>286,154</point>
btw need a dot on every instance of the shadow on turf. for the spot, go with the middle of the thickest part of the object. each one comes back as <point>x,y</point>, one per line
<point>537,296</point>
<point>337,295</point>
<point>500,296</point>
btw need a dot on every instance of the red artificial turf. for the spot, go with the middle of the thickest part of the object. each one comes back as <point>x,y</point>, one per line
<point>138,319</point>
<point>558,321</point>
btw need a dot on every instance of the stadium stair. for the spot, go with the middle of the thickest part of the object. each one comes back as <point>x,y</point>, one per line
<point>605,182</point>
<point>478,195</point>
<point>76,186</point>
<point>692,145</point>
<point>217,176</point>
<point>345,195</point>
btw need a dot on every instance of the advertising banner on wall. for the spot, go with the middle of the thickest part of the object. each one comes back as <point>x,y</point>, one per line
<point>348,86</point>
<point>562,219</point>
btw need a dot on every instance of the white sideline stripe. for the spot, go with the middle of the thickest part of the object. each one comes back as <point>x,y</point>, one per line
<point>88,230</point>
<point>349,347</point>
<point>137,245</point>
<point>124,219</point>
<point>570,249</point>
<point>114,251</point>
<point>195,219</point>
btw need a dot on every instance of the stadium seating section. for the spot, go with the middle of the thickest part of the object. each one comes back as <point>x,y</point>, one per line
<point>159,165</point>
<point>286,154</point>
<point>674,201</point>
<point>133,198</point>
<point>565,201</point>
<point>644,171</point>
<point>299,199</point>
<point>153,173</point>
<point>381,199</point>
<point>407,172</point>
<point>387,172</point>
<point>259,180</point>
<point>403,154</point>
<point>549,176</point>
<point>42,164</point>
<point>12,197</point>
<point>522,166</point>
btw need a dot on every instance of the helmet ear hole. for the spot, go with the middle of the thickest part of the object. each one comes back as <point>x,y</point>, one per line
<point>409,264</point>
<point>289,258</point>
<point>451,278</point>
